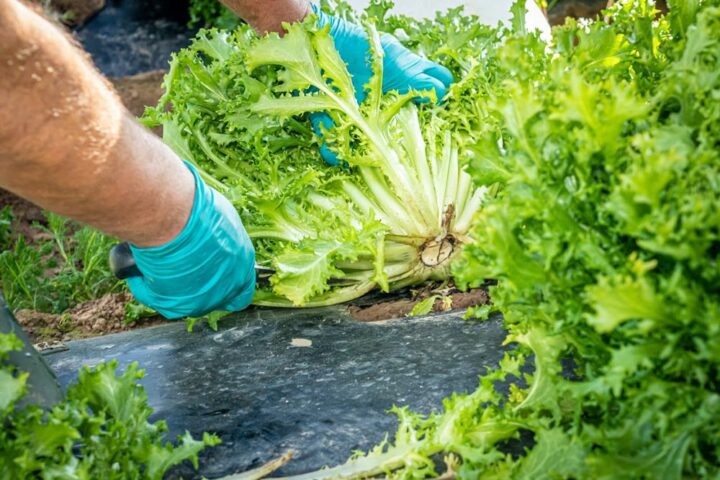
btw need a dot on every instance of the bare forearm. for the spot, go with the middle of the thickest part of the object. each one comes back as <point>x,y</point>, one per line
<point>67,144</point>
<point>269,15</point>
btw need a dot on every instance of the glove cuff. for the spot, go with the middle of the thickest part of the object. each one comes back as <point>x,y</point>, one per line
<point>201,200</point>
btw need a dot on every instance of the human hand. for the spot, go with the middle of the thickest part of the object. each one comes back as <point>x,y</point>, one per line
<point>209,266</point>
<point>403,70</point>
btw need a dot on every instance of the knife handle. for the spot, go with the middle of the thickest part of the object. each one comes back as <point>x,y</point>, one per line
<point>122,262</point>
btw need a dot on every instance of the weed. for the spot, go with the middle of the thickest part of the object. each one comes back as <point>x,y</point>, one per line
<point>54,275</point>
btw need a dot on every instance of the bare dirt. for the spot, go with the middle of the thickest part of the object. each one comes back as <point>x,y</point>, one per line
<point>97,317</point>
<point>398,308</point>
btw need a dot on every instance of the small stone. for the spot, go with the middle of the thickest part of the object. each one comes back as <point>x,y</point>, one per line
<point>301,342</point>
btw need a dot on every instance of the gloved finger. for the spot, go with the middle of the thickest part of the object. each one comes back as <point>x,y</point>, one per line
<point>320,121</point>
<point>241,301</point>
<point>328,155</point>
<point>141,292</point>
<point>439,72</point>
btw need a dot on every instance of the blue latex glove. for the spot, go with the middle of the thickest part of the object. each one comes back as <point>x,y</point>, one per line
<point>209,266</point>
<point>402,69</point>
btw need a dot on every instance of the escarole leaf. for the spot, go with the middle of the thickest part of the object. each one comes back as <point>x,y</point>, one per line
<point>289,106</point>
<point>594,158</point>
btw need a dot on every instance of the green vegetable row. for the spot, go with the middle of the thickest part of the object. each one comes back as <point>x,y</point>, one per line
<point>601,225</point>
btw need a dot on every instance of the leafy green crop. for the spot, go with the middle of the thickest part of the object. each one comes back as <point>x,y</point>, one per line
<point>100,430</point>
<point>601,224</point>
<point>396,215</point>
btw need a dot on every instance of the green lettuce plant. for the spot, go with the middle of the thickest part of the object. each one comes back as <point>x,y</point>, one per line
<point>396,214</point>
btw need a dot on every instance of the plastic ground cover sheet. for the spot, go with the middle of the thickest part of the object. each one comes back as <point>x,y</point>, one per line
<point>314,381</point>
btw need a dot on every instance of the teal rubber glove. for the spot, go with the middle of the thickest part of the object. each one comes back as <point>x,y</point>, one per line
<point>402,69</point>
<point>209,266</point>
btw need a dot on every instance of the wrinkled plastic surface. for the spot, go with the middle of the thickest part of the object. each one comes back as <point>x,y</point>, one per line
<point>262,395</point>
<point>135,36</point>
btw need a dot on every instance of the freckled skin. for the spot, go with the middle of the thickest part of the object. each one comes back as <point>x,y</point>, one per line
<point>68,144</point>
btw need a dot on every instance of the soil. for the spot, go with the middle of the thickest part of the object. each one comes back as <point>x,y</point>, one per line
<point>97,317</point>
<point>397,308</point>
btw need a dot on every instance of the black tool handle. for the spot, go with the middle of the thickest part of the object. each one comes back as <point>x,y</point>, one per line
<point>123,266</point>
<point>122,262</point>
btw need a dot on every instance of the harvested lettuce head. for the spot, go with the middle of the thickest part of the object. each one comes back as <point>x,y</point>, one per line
<point>395,214</point>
